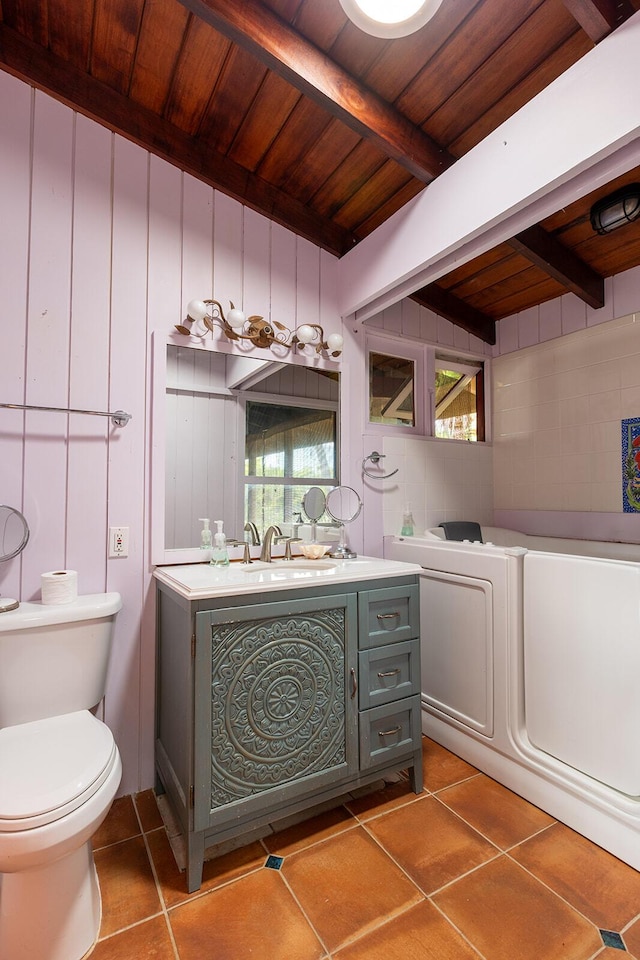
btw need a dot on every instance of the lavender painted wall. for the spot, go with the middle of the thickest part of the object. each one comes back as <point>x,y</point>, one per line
<point>102,245</point>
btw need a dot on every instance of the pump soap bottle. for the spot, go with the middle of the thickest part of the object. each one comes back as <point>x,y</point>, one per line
<point>407,522</point>
<point>205,536</point>
<point>219,554</point>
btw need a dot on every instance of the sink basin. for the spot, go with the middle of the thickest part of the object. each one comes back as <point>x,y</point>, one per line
<point>284,566</point>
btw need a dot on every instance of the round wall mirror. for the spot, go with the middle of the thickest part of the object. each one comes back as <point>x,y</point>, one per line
<point>14,532</point>
<point>343,505</point>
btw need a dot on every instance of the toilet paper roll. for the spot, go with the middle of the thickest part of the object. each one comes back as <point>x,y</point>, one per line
<point>59,586</point>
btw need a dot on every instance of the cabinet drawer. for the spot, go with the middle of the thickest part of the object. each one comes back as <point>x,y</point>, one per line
<point>389,731</point>
<point>388,614</point>
<point>389,673</point>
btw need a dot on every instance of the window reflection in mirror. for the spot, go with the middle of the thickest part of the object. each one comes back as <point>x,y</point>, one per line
<point>287,449</point>
<point>391,390</point>
<point>203,460</point>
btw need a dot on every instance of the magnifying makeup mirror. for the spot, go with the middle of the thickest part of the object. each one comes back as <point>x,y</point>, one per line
<point>14,535</point>
<point>344,505</point>
<point>314,504</point>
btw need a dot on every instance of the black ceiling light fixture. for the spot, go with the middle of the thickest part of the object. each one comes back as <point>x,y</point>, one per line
<point>618,208</point>
<point>389,19</point>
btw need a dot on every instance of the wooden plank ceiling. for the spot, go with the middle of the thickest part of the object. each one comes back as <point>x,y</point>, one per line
<point>288,107</point>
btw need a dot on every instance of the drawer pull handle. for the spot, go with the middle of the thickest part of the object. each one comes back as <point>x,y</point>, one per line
<point>389,733</point>
<point>388,673</point>
<point>388,616</point>
<point>354,683</point>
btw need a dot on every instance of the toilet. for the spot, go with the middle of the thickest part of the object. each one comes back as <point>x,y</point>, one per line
<point>60,770</point>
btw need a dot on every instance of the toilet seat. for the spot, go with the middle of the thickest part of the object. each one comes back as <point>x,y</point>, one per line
<point>51,767</point>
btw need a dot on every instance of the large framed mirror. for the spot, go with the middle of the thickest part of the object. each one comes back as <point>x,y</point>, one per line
<point>238,439</point>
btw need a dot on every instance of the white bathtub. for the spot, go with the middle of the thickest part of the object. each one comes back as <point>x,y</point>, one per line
<point>531,670</point>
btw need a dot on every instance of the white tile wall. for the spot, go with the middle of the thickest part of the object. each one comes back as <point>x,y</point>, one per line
<point>440,479</point>
<point>558,407</point>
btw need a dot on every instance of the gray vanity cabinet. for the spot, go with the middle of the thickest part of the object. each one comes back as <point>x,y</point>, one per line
<point>265,709</point>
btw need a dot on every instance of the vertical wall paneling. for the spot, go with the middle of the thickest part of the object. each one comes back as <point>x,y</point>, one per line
<point>89,354</point>
<point>308,282</point>
<point>127,486</point>
<point>283,275</point>
<point>197,244</point>
<point>47,371</point>
<point>15,191</point>
<point>227,244</point>
<point>255,282</point>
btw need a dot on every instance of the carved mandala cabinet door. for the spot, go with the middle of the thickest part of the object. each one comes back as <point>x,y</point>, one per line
<point>275,704</point>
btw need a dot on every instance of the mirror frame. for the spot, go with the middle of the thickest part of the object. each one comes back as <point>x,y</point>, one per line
<point>160,556</point>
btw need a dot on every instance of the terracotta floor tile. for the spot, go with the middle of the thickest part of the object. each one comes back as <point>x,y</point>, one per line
<point>431,843</point>
<point>255,916</point>
<point>147,807</point>
<point>631,938</point>
<point>128,889</point>
<point>121,823</point>
<point>150,940</point>
<point>497,813</point>
<point>603,888</point>
<point>441,768</point>
<point>347,885</point>
<point>373,804</point>
<point>508,915</point>
<point>420,933</point>
<point>215,873</point>
<point>310,831</point>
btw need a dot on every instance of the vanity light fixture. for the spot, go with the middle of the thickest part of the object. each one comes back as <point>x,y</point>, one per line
<point>203,315</point>
<point>618,208</point>
<point>390,19</point>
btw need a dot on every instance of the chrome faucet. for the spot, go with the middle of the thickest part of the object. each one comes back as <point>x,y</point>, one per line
<point>272,531</point>
<point>251,529</point>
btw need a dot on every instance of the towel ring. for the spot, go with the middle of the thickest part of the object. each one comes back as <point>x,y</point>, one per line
<point>375,458</point>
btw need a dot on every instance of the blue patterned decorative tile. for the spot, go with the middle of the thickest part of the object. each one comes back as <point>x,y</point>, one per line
<point>274,863</point>
<point>611,939</point>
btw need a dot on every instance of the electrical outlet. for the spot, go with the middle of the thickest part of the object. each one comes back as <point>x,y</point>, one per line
<point>118,542</point>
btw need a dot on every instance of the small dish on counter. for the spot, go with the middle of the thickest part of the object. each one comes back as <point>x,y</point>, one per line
<point>313,551</point>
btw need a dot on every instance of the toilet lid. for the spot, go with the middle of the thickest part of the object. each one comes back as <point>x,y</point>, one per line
<point>49,764</point>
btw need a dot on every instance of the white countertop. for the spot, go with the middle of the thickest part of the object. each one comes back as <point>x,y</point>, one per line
<point>199,581</point>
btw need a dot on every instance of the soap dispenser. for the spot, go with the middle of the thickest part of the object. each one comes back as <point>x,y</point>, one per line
<point>407,522</point>
<point>219,554</point>
<point>205,536</point>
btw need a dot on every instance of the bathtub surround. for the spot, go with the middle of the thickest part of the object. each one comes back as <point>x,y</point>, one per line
<point>558,407</point>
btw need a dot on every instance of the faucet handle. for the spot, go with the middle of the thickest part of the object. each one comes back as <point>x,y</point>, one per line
<point>246,557</point>
<point>287,549</point>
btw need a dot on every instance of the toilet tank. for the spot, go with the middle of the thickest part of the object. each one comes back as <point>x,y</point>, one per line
<point>54,658</point>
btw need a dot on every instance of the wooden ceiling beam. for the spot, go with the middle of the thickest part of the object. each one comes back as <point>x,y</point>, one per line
<point>598,18</point>
<point>562,264</point>
<point>447,305</point>
<point>39,67</point>
<point>274,43</point>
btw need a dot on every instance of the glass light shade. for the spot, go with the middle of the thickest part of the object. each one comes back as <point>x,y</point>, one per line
<point>334,342</point>
<point>236,318</point>
<point>196,309</point>
<point>389,19</point>
<point>618,208</point>
<point>305,333</point>
<point>199,328</point>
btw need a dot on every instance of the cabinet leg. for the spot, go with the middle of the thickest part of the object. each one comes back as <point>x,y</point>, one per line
<point>415,773</point>
<point>195,861</point>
